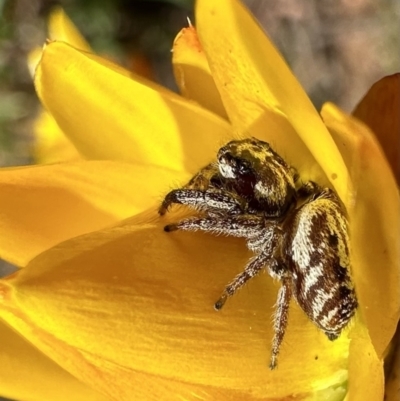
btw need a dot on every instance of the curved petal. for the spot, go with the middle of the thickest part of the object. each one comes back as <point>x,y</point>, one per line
<point>373,224</point>
<point>392,373</point>
<point>379,109</point>
<point>364,367</point>
<point>63,29</point>
<point>192,73</point>
<point>261,95</point>
<point>107,115</point>
<point>44,205</point>
<point>145,328</point>
<point>27,374</point>
<point>51,145</point>
<point>60,28</point>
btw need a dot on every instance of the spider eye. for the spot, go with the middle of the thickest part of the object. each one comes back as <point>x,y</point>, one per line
<point>232,166</point>
<point>226,158</point>
<point>243,166</point>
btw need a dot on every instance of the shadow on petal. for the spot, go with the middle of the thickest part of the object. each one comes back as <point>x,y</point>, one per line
<point>374,216</point>
<point>27,374</point>
<point>130,310</point>
<point>379,109</point>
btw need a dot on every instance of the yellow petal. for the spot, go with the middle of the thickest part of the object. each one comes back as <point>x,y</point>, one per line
<point>192,73</point>
<point>392,375</point>
<point>261,95</point>
<point>41,206</point>
<point>63,29</point>
<point>379,109</point>
<point>138,322</point>
<point>27,374</point>
<point>51,145</point>
<point>60,28</point>
<point>365,367</point>
<point>107,115</point>
<point>374,226</point>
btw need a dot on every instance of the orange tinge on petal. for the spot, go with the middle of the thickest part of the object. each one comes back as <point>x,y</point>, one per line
<point>380,110</point>
<point>192,72</point>
<point>375,244</point>
<point>261,95</point>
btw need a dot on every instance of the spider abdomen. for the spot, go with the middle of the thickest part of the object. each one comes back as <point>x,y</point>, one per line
<point>317,252</point>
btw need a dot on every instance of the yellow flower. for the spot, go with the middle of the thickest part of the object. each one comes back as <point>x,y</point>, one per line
<point>50,144</point>
<point>127,309</point>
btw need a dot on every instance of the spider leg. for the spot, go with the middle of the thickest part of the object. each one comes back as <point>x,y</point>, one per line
<point>237,226</point>
<point>211,199</point>
<point>281,319</point>
<point>251,270</point>
<point>234,226</point>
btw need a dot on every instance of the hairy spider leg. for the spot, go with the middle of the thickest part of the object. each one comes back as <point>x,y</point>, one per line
<point>251,270</point>
<point>301,240</point>
<point>235,226</point>
<point>214,200</point>
<point>280,319</point>
<point>250,227</point>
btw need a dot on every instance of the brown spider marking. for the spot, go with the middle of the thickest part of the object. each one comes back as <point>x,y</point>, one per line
<point>298,232</point>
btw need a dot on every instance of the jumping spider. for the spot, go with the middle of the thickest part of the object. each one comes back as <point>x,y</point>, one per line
<point>298,232</point>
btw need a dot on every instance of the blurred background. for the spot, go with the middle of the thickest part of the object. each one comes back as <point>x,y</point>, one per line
<point>337,49</point>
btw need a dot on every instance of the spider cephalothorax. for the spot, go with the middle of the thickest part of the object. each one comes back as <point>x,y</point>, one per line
<point>299,233</point>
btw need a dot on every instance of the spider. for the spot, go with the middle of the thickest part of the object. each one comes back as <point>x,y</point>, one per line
<point>297,231</point>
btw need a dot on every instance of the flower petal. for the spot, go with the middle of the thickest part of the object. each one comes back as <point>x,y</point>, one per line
<point>145,328</point>
<point>41,206</point>
<point>51,145</point>
<point>392,374</point>
<point>261,95</point>
<point>27,374</point>
<point>192,73</point>
<point>63,29</point>
<point>379,109</point>
<point>364,367</point>
<point>374,228</point>
<point>107,115</point>
<point>60,28</point>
